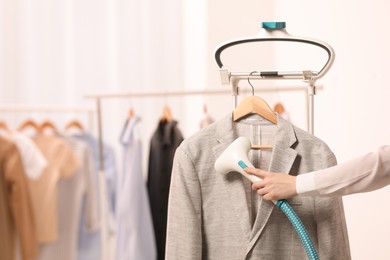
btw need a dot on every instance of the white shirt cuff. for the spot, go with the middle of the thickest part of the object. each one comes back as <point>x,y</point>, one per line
<point>305,184</point>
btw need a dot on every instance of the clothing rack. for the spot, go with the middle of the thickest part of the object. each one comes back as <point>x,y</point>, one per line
<point>123,95</point>
<point>51,109</point>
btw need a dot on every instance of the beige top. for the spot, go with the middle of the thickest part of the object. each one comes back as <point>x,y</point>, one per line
<point>6,244</point>
<point>61,163</point>
<point>15,205</point>
<point>72,192</point>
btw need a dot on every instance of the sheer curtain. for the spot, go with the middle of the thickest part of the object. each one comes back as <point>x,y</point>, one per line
<point>56,51</point>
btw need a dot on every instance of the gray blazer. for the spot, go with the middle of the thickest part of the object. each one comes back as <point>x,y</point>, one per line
<point>208,217</point>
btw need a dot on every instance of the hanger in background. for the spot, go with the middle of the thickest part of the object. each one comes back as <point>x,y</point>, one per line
<point>47,125</point>
<point>166,115</point>
<point>130,113</point>
<point>4,126</point>
<point>75,124</point>
<point>29,124</point>
<point>279,108</point>
<point>282,112</point>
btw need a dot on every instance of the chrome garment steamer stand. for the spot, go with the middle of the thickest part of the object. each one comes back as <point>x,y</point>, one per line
<point>275,32</point>
<point>234,158</point>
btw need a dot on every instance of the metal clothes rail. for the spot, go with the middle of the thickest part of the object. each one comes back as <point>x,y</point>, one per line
<point>98,97</point>
<point>49,109</point>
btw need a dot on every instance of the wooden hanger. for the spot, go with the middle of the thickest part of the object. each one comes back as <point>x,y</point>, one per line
<point>29,123</point>
<point>261,147</point>
<point>166,115</point>
<point>254,105</point>
<point>130,114</point>
<point>74,124</point>
<point>4,126</point>
<point>47,125</point>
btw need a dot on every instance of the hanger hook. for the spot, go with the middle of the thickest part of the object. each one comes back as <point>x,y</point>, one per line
<point>253,89</point>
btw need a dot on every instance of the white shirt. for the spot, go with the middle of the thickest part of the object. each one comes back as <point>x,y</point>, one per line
<point>33,160</point>
<point>366,173</point>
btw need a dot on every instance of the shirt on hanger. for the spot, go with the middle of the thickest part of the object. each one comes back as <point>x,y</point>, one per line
<point>71,192</point>
<point>89,243</point>
<point>135,236</point>
<point>15,205</point>
<point>62,163</point>
<point>164,142</point>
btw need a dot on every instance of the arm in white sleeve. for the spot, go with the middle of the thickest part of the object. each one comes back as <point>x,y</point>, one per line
<point>366,173</point>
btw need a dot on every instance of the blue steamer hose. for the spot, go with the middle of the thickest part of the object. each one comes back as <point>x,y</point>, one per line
<point>296,222</point>
<point>299,228</point>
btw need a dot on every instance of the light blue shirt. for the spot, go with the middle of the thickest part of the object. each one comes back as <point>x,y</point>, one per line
<point>89,244</point>
<point>135,235</point>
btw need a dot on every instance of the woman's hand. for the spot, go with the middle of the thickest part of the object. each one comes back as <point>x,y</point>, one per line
<point>274,186</point>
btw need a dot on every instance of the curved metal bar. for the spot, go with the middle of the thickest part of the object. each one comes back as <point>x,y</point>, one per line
<point>280,35</point>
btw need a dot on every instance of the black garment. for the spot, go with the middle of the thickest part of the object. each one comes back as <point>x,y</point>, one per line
<point>164,142</point>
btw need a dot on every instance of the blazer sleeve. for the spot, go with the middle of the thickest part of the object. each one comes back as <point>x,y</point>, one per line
<point>362,174</point>
<point>184,235</point>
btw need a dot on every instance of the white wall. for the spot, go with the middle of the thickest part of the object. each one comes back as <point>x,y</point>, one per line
<point>351,111</point>
<point>353,108</point>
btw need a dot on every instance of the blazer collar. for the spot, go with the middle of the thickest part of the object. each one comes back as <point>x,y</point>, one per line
<point>282,159</point>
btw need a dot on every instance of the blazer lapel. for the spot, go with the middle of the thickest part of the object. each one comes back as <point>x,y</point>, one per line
<point>233,181</point>
<point>282,159</point>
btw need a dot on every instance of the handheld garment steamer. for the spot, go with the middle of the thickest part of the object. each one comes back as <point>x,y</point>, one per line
<point>235,158</point>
